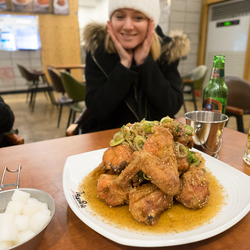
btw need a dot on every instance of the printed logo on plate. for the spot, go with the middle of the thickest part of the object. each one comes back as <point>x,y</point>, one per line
<point>77,197</point>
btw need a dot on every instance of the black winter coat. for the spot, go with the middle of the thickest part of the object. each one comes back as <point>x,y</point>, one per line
<point>117,95</point>
<point>6,117</point>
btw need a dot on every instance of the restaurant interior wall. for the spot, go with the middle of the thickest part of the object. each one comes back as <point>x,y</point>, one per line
<point>180,15</point>
<point>185,17</point>
<point>228,27</point>
<point>10,77</point>
<point>57,47</point>
<point>203,36</point>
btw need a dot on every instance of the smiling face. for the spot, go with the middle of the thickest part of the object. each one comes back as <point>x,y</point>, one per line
<point>130,27</point>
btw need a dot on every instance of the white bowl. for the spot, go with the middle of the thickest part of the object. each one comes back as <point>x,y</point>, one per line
<point>33,242</point>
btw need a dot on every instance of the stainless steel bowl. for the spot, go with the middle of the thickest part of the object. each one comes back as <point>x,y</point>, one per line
<point>5,197</point>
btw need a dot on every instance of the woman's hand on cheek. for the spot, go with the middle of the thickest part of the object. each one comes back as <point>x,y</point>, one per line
<point>126,56</point>
<point>142,51</point>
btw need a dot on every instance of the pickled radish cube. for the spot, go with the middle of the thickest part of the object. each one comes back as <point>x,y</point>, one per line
<point>8,232</point>
<point>32,208</point>
<point>20,196</point>
<point>5,245</point>
<point>38,220</point>
<point>22,222</point>
<point>24,235</point>
<point>47,211</point>
<point>31,200</point>
<point>44,206</point>
<point>14,207</point>
<point>6,218</point>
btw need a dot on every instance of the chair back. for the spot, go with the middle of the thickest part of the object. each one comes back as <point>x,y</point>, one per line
<point>56,81</point>
<point>27,74</point>
<point>198,75</point>
<point>238,93</point>
<point>75,90</point>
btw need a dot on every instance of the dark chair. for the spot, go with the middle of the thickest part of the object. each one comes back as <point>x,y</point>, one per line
<point>36,81</point>
<point>77,92</point>
<point>58,86</point>
<point>75,128</point>
<point>191,82</point>
<point>238,100</point>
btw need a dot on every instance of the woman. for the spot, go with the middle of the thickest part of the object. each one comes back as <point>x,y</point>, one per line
<point>131,73</point>
<point>6,120</point>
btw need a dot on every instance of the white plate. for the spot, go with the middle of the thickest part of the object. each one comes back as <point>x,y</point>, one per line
<point>235,184</point>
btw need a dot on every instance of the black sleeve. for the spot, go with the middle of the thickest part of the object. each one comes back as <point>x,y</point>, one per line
<point>6,117</point>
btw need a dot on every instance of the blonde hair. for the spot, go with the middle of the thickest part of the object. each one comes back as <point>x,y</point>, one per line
<point>155,49</point>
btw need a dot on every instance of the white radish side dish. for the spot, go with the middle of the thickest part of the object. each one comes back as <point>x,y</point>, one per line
<point>22,219</point>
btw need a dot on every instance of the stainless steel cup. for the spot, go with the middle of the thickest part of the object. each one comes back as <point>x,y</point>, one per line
<point>208,127</point>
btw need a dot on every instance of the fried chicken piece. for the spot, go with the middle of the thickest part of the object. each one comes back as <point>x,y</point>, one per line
<point>160,143</point>
<point>183,164</point>
<point>116,158</point>
<point>147,202</point>
<point>163,174</point>
<point>98,171</point>
<point>177,129</point>
<point>113,193</point>
<point>114,189</point>
<point>194,191</point>
<point>163,169</point>
<point>186,140</point>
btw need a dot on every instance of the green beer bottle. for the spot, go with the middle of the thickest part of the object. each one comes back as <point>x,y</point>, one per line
<point>215,92</point>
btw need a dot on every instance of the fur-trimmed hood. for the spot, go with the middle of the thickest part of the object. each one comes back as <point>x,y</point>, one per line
<point>175,48</point>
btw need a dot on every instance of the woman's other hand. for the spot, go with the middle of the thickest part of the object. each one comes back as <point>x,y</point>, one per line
<point>141,51</point>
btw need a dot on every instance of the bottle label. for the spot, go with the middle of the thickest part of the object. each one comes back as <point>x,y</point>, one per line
<point>217,73</point>
<point>210,104</point>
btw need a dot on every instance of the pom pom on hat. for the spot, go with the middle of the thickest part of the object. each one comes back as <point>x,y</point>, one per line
<point>150,8</point>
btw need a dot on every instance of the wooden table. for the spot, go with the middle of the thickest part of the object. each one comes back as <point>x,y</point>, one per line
<point>42,168</point>
<point>67,67</point>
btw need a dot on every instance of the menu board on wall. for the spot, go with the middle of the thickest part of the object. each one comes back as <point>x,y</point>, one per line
<point>58,7</point>
<point>21,5</point>
<point>42,6</point>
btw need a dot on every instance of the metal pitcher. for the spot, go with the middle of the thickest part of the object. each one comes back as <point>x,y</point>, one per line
<point>208,127</point>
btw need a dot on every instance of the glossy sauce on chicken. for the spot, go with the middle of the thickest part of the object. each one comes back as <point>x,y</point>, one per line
<point>175,220</point>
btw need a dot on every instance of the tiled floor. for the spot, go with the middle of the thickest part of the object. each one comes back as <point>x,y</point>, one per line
<point>42,123</point>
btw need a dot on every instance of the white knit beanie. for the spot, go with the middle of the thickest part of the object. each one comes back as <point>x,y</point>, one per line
<point>150,8</point>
